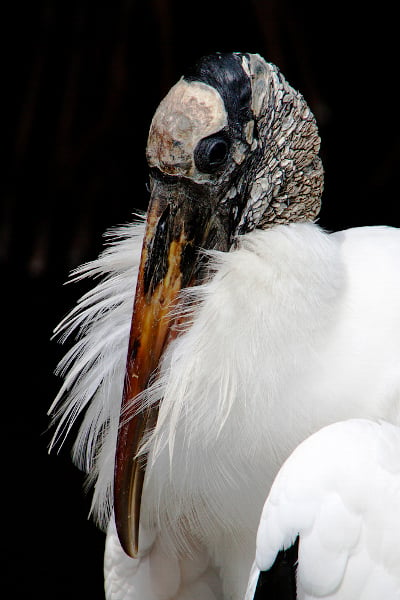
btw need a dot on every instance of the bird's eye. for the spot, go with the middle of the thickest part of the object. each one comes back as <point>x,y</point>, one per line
<point>211,153</point>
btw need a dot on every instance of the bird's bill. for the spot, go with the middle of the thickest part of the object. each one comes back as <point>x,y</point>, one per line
<point>168,263</point>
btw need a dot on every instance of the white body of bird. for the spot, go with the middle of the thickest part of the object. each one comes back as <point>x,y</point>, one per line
<point>339,492</point>
<point>288,336</point>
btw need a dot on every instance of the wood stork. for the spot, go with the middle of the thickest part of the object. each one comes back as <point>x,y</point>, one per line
<point>252,328</point>
<point>333,510</point>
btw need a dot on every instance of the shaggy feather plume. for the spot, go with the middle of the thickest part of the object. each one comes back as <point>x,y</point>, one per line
<point>93,369</point>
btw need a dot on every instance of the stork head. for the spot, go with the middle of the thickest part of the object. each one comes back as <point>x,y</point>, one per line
<point>236,135</point>
<point>232,147</point>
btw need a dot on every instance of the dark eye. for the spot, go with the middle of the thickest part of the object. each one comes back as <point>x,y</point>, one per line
<point>211,153</point>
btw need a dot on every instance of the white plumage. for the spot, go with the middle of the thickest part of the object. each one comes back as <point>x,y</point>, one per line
<point>288,329</point>
<point>339,492</point>
<point>286,337</point>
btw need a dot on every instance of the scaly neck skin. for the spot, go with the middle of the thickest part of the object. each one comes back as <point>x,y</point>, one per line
<point>285,173</point>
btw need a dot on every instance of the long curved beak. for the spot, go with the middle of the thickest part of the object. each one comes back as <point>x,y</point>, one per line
<point>178,224</point>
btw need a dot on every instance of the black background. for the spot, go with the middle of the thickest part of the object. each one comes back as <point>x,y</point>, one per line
<point>82,81</point>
